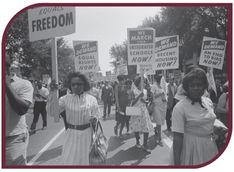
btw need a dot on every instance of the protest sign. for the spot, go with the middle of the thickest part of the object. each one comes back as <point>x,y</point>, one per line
<point>122,69</point>
<point>140,45</point>
<point>50,22</point>
<point>147,69</point>
<point>166,53</point>
<point>212,52</point>
<point>86,56</point>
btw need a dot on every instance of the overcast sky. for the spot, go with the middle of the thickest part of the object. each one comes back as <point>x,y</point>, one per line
<point>108,25</point>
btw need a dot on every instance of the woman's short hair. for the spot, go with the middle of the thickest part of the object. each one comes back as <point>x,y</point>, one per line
<point>196,73</point>
<point>82,77</point>
<point>120,77</point>
<point>157,78</point>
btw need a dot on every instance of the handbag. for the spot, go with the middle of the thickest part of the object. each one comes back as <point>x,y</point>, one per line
<point>99,146</point>
<point>133,111</point>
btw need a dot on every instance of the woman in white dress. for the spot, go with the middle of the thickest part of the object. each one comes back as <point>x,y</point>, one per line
<point>81,111</point>
<point>160,108</point>
<point>140,124</point>
<point>193,122</point>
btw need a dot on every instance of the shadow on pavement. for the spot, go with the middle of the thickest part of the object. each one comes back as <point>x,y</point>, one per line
<point>131,156</point>
<point>48,155</point>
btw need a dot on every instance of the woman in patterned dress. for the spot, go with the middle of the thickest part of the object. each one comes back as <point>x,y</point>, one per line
<point>140,123</point>
<point>81,111</point>
<point>193,123</point>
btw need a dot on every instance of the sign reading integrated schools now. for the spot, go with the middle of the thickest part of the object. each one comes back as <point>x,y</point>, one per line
<point>166,53</point>
<point>50,22</point>
<point>86,56</point>
<point>212,52</point>
<point>140,46</point>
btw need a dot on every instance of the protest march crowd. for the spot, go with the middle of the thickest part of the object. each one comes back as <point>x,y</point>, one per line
<point>194,109</point>
<point>189,109</point>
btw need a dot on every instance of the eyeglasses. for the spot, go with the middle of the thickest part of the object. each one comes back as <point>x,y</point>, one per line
<point>78,84</point>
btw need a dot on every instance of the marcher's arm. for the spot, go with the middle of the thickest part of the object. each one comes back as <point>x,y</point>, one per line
<point>19,105</point>
<point>137,98</point>
<point>177,147</point>
<point>117,98</point>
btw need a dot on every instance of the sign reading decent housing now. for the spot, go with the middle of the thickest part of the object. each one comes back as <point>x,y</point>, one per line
<point>50,22</point>
<point>140,45</point>
<point>166,53</point>
<point>212,52</point>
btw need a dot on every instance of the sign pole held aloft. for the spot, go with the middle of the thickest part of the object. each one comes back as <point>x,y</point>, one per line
<point>54,77</point>
<point>142,77</point>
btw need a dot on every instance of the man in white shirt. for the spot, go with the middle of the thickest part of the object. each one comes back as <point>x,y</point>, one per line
<point>19,93</point>
<point>40,95</point>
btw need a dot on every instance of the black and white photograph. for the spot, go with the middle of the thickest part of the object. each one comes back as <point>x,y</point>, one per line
<point>117,85</point>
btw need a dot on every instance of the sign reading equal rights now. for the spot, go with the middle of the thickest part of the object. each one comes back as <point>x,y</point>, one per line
<point>86,56</point>
<point>140,46</point>
<point>50,22</point>
<point>166,53</point>
<point>212,52</point>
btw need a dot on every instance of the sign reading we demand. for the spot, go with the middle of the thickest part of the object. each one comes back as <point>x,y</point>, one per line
<point>212,52</point>
<point>86,56</point>
<point>140,45</point>
<point>166,53</point>
<point>50,22</point>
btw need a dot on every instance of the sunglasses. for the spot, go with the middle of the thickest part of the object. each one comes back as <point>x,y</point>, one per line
<point>78,84</point>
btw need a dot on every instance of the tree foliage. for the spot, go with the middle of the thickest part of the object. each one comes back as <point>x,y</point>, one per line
<point>191,24</point>
<point>35,57</point>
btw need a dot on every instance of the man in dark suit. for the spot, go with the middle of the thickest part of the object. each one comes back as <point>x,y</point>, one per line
<point>171,91</point>
<point>107,94</point>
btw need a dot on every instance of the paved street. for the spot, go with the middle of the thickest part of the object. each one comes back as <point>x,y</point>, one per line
<point>45,146</point>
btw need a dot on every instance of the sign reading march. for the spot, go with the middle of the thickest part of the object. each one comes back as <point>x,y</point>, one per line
<point>50,22</point>
<point>212,52</point>
<point>86,56</point>
<point>140,46</point>
<point>166,53</point>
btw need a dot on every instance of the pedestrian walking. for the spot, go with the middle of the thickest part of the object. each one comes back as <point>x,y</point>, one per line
<point>193,122</point>
<point>126,95</point>
<point>82,112</point>
<point>107,96</point>
<point>171,91</point>
<point>120,101</point>
<point>40,96</point>
<point>140,124</point>
<point>160,108</point>
<point>19,95</point>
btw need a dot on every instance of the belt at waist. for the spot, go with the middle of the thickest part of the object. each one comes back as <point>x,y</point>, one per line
<point>78,127</point>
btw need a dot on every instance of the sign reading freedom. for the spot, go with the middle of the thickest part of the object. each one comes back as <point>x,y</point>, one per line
<point>50,22</point>
<point>140,46</point>
<point>212,52</point>
<point>86,56</point>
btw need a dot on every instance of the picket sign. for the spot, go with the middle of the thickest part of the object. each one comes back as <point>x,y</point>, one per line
<point>51,22</point>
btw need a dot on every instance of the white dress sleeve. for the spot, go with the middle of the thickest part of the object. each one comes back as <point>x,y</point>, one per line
<point>178,118</point>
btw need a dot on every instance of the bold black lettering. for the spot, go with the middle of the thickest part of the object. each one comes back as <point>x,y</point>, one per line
<point>48,23</point>
<point>69,19</point>
<point>61,20</point>
<point>54,21</point>
<point>33,25</point>
<point>44,24</point>
<point>38,25</point>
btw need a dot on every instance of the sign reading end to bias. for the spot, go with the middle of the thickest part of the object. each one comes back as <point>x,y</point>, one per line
<point>86,56</point>
<point>140,46</point>
<point>212,52</point>
<point>50,22</point>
